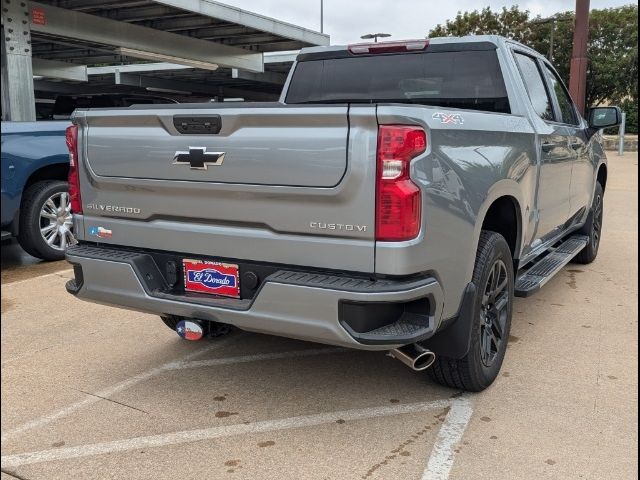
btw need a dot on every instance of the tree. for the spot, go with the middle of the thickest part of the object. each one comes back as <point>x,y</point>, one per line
<point>511,23</point>
<point>613,44</point>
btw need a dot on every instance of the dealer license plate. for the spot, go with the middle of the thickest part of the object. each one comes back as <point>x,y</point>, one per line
<point>211,277</point>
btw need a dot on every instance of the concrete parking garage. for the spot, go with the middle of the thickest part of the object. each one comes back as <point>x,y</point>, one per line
<point>195,49</point>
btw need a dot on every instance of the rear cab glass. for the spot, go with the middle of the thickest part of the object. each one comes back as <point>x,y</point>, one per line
<point>450,79</point>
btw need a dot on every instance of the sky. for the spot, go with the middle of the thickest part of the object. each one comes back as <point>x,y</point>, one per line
<point>346,20</point>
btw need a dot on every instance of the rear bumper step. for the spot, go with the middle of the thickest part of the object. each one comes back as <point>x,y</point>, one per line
<point>336,309</point>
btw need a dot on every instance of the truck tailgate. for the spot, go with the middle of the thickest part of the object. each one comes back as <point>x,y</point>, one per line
<point>262,146</point>
<point>292,184</point>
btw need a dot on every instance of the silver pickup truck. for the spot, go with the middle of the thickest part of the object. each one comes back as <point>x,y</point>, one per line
<point>396,198</point>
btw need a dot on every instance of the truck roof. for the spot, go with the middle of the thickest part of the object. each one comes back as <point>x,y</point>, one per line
<point>497,40</point>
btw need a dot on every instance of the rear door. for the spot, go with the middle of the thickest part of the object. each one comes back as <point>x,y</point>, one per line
<point>582,172</point>
<point>556,156</point>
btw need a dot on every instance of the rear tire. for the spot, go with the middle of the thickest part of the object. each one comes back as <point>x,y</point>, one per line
<point>211,329</point>
<point>45,214</point>
<point>492,310</point>
<point>592,228</point>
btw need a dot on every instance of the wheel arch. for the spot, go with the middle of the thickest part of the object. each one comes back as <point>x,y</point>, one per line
<point>601,176</point>
<point>502,212</point>
<point>51,171</point>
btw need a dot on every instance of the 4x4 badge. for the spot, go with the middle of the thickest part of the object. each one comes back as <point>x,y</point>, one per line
<point>198,158</point>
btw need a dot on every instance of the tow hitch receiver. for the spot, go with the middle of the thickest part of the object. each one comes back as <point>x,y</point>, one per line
<point>190,330</point>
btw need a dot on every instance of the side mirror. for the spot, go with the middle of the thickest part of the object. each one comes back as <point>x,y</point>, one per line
<point>604,117</point>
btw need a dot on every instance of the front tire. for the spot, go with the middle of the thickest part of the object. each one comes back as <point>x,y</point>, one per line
<point>592,228</point>
<point>46,225</point>
<point>492,310</point>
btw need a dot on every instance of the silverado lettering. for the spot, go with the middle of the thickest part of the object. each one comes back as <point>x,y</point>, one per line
<point>112,208</point>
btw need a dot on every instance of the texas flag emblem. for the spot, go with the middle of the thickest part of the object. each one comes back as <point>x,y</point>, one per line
<point>189,330</point>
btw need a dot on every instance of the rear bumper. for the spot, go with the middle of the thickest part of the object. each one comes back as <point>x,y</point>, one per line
<point>334,309</point>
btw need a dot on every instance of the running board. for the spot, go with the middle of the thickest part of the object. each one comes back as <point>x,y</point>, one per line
<point>5,235</point>
<point>531,280</point>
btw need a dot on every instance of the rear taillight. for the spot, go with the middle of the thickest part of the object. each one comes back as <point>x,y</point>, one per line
<point>71,136</point>
<point>388,47</point>
<point>398,199</point>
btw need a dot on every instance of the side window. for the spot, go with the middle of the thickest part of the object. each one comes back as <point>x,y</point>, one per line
<point>567,112</point>
<point>535,86</point>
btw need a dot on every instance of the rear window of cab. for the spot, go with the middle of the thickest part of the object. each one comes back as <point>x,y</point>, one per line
<point>461,79</point>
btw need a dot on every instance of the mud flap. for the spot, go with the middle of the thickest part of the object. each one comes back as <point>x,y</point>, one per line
<point>455,339</point>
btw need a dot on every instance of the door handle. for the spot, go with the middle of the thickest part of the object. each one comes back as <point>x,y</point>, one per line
<point>547,147</point>
<point>197,124</point>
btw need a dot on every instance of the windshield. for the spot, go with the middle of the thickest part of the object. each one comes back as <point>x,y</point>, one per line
<point>464,79</point>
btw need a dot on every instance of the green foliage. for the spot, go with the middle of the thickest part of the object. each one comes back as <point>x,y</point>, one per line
<point>631,109</point>
<point>511,23</point>
<point>613,44</point>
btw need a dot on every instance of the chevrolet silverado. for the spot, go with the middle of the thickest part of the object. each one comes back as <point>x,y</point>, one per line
<point>396,198</point>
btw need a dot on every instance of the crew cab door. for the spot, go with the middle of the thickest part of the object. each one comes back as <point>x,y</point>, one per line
<point>553,196</point>
<point>582,172</point>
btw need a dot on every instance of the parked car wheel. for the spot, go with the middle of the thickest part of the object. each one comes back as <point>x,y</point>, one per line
<point>494,280</point>
<point>592,228</point>
<point>46,226</point>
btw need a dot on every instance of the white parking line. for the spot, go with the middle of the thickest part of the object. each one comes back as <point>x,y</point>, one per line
<point>451,432</point>
<point>107,392</point>
<point>215,432</point>
<point>46,275</point>
<point>213,362</point>
<point>175,365</point>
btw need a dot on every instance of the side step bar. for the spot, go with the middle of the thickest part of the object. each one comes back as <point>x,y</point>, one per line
<point>531,280</point>
<point>5,235</point>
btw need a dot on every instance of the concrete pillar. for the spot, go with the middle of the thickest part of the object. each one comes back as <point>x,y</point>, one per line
<point>18,99</point>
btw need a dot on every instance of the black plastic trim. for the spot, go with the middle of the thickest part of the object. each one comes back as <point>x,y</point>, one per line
<point>74,285</point>
<point>455,339</point>
<point>197,124</point>
<point>346,283</point>
<point>407,327</point>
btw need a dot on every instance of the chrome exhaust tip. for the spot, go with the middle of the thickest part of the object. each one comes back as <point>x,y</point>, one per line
<point>414,356</point>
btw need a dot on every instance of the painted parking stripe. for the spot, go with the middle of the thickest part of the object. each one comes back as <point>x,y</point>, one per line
<point>38,277</point>
<point>175,365</point>
<point>259,357</point>
<point>107,392</point>
<point>188,436</point>
<point>450,434</point>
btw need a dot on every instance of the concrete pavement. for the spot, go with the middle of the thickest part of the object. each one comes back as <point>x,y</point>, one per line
<point>91,391</point>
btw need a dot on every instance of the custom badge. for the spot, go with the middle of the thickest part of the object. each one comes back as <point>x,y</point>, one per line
<point>211,277</point>
<point>100,232</point>
<point>189,330</point>
<point>449,118</point>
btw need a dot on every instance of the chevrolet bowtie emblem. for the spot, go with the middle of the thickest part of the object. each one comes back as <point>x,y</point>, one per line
<point>198,158</point>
